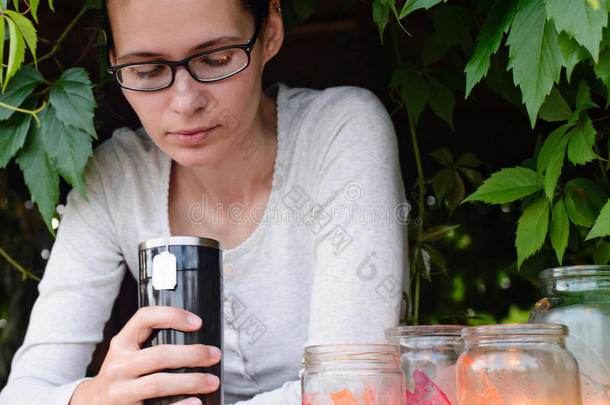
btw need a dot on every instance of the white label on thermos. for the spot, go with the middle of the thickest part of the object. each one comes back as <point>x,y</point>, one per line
<point>164,271</point>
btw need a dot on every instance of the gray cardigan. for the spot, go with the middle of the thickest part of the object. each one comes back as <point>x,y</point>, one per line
<point>325,264</point>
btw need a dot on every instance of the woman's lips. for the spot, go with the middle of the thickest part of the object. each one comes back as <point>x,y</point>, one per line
<point>190,137</point>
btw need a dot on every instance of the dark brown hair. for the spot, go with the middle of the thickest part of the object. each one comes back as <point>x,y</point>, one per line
<point>259,9</point>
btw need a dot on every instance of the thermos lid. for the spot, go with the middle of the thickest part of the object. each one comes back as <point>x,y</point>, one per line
<point>179,240</point>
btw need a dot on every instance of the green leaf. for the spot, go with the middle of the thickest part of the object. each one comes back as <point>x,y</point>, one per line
<point>443,156</point>
<point>507,185</point>
<point>40,177</point>
<point>441,101</point>
<point>27,30</point>
<point>601,255</point>
<point>438,232</point>
<point>582,139</point>
<point>16,52</point>
<point>412,5</point>
<point>532,229</point>
<point>381,16</point>
<point>432,51</point>
<point>457,193</point>
<point>559,229</point>
<point>436,257</point>
<point>442,183</point>
<point>68,148</point>
<point>583,200</point>
<point>13,133</point>
<point>453,25</point>
<point>550,158</point>
<point>469,159</point>
<point>413,89</point>
<point>95,4</point>
<point>51,5</point>
<point>2,26</point>
<point>555,107</point>
<point>489,40</point>
<point>602,71</point>
<point>582,19</point>
<point>473,176</point>
<point>297,12</point>
<point>583,99</point>
<point>572,53</point>
<point>549,147</point>
<point>602,223</point>
<point>22,85</point>
<point>34,9</point>
<point>534,55</point>
<point>72,97</point>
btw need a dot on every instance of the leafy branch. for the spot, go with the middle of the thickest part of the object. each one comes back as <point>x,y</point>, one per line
<point>552,60</point>
<point>63,35</point>
<point>25,273</point>
<point>33,113</point>
<point>55,139</point>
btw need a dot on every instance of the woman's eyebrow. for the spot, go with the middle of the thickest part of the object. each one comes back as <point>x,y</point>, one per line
<point>200,46</point>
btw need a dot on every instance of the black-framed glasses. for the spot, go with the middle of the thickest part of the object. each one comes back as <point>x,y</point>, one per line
<point>209,66</point>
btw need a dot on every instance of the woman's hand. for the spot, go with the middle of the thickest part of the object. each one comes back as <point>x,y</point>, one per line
<point>130,374</point>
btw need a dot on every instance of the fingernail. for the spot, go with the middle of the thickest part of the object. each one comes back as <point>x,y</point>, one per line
<point>214,352</point>
<point>194,401</point>
<point>213,380</point>
<point>194,320</point>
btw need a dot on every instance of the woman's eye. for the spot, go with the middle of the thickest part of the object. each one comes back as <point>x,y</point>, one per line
<point>148,72</point>
<point>216,61</point>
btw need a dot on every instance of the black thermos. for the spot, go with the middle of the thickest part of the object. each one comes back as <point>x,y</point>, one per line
<point>197,287</point>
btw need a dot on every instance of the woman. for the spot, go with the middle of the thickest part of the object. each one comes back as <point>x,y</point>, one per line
<point>301,187</point>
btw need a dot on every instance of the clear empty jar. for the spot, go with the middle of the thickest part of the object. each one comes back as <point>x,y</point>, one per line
<point>429,354</point>
<point>579,297</point>
<point>517,364</point>
<point>352,375</point>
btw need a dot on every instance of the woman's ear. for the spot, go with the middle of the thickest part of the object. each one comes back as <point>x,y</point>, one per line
<point>273,36</point>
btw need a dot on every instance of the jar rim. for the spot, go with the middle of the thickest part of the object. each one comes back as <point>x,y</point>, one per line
<point>406,331</point>
<point>388,354</point>
<point>515,330</point>
<point>352,348</point>
<point>574,271</point>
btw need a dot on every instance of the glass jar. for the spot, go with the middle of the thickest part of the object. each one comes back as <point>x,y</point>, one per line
<point>517,364</point>
<point>352,375</point>
<point>579,297</point>
<point>428,356</point>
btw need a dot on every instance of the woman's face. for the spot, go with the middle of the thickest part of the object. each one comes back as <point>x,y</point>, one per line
<point>176,118</point>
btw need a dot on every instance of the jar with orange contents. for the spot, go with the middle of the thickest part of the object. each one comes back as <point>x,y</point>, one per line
<point>353,375</point>
<point>517,364</point>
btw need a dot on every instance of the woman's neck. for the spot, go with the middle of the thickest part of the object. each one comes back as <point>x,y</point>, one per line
<point>249,166</point>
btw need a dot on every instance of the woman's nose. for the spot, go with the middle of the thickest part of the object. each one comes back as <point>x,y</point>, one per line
<point>186,93</point>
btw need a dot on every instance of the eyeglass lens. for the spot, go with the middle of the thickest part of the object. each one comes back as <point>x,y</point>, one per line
<point>210,66</point>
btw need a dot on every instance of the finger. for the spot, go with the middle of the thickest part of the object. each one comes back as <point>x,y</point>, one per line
<point>168,384</point>
<point>141,324</point>
<point>156,358</point>
<point>188,401</point>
